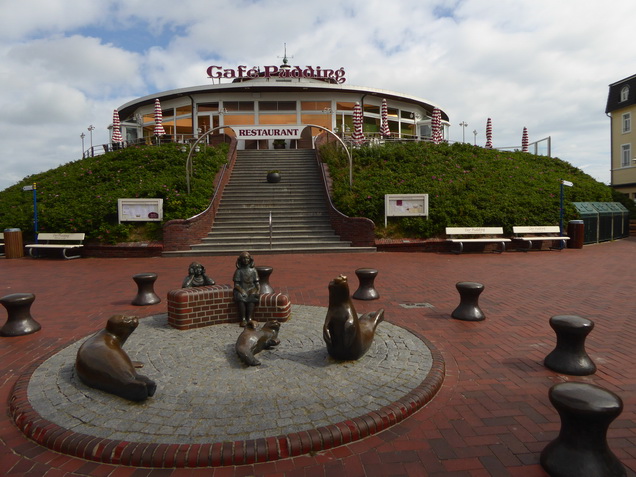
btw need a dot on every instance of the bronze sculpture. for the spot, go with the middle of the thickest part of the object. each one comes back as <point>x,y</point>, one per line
<point>253,340</point>
<point>247,289</point>
<point>101,362</point>
<point>347,336</point>
<point>196,277</point>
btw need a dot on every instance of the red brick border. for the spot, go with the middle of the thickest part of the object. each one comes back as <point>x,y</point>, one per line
<point>218,454</point>
<point>190,308</point>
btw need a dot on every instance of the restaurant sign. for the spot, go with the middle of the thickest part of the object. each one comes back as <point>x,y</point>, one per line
<point>268,132</point>
<point>242,71</point>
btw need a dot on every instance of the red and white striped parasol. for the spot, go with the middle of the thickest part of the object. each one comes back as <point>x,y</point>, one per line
<point>159,131</point>
<point>384,120</point>
<point>436,126</point>
<point>116,137</point>
<point>524,140</point>
<point>489,134</point>
<point>357,137</point>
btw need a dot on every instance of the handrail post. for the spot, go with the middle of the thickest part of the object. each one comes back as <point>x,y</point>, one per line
<point>270,229</point>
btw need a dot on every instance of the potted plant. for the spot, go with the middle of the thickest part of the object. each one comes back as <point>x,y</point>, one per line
<point>279,144</point>
<point>273,176</point>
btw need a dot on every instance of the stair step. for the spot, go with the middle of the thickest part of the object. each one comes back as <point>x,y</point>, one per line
<point>300,220</point>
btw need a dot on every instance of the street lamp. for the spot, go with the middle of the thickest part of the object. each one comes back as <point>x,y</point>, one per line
<point>91,128</point>
<point>463,124</point>
<point>83,136</point>
<point>475,134</point>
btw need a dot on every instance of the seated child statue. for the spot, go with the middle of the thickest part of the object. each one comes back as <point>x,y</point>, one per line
<point>247,289</point>
<point>196,277</point>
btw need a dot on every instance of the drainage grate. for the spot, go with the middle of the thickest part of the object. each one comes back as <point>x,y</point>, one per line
<point>416,305</point>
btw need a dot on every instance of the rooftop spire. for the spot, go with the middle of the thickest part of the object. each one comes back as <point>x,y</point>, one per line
<point>285,59</point>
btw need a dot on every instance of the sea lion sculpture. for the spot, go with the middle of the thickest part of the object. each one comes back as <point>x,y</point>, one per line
<point>196,277</point>
<point>253,340</point>
<point>102,364</point>
<point>347,336</point>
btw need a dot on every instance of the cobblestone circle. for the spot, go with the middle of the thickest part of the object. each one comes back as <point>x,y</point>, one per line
<point>206,394</point>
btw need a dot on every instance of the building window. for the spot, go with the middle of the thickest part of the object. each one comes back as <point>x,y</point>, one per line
<point>626,155</point>
<point>627,122</point>
<point>624,93</point>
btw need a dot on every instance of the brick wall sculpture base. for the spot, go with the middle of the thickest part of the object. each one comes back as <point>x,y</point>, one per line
<point>212,305</point>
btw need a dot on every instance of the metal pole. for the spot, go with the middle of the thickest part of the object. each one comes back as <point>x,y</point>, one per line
<point>270,229</point>
<point>561,211</point>
<point>35,211</point>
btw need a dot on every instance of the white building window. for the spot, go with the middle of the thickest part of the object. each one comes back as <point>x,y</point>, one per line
<point>624,93</point>
<point>627,122</point>
<point>626,155</point>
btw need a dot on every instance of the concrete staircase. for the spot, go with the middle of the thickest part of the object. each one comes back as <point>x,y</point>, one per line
<point>296,205</point>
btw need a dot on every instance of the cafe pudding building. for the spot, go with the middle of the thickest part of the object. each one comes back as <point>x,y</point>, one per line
<point>268,106</point>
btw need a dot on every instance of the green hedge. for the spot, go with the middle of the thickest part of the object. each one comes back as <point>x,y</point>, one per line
<point>467,186</point>
<point>81,196</point>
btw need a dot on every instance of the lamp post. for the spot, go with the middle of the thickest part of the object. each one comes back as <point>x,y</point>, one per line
<point>190,150</point>
<point>91,128</point>
<point>463,124</point>
<point>475,134</point>
<point>83,136</point>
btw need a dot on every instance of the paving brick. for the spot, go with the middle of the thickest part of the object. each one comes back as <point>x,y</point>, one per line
<point>490,415</point>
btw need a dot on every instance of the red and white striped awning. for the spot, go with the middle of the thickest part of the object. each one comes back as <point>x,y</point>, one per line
<point>524,140</point>
<point>384,120</point>
<point>116,137</point>
<point>158,131</point>
<point>436,126</point>
<point>357,137</point>
<point>489,134</point>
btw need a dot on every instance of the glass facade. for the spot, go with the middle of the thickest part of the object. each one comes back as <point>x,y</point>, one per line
<point>185,117</point>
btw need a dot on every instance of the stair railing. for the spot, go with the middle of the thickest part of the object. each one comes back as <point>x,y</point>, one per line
<point>270,229</point>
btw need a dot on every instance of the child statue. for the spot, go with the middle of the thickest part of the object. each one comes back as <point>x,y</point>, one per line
<point>247,289</point>
<point>196,277</point>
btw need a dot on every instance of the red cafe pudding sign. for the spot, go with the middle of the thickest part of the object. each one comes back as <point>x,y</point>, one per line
<point>243,71</point>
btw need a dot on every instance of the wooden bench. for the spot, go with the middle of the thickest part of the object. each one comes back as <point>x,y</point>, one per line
<point>462,235</point>
<point>58,241</point>
<point>529,234</point>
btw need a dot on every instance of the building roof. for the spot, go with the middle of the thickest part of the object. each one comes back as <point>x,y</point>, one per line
<point>277,85</point>
<point>614,96</point>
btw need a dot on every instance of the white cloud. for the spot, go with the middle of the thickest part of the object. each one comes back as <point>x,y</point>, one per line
<point>537,63</point>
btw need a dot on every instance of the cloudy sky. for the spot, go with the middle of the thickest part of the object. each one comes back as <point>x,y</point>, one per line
<point>541,64</point>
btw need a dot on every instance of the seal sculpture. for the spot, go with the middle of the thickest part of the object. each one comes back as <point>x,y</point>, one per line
<point>347,336</point>
<point>102,364</point>
<point>253,340</point>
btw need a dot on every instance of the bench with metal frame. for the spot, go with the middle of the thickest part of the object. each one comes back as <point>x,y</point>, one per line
<point>462,235</point>
<point>539,233</point>
<point>58,241</point>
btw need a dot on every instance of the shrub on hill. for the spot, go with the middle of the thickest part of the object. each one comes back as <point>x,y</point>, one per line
<point>81,196</point>
<point>467,186</point>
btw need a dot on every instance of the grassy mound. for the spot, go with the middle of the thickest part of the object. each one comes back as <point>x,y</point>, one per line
<point>467,186</point>
<point>81,196</point>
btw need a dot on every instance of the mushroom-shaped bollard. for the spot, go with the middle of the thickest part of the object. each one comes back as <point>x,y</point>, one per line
<point>468,308</point>
<point>263,277</point>
<point>569,356</point>
<point>145,289</point>
<point>366,289</point>
<point>19,319</point>
<point>581,448</point>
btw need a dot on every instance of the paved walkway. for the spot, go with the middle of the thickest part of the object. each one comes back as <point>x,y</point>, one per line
<point>491,416</point>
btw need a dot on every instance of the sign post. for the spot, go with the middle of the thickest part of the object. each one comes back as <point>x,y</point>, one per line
<point>35,207</point>
<point>569,184</point>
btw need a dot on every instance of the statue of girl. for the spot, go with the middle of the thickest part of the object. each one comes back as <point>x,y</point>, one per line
<point>247,289</point>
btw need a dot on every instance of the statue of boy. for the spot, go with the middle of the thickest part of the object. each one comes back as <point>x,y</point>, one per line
<point>196,277</point>
<point>247,289</point>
